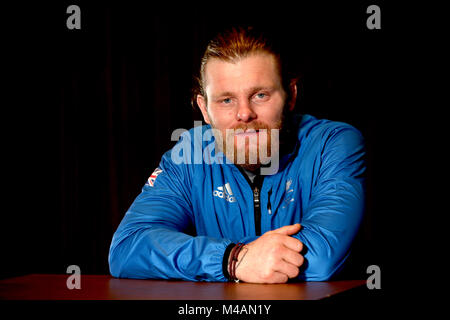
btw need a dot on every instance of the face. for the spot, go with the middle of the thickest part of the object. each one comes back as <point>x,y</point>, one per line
<point>245,102</point>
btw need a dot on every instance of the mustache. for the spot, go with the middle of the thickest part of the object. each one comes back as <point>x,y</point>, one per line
<point>257,125</point>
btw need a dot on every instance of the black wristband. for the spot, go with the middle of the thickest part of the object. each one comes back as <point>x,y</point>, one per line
<point>226,255</point>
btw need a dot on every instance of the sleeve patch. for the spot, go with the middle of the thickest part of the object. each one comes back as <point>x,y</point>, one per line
<point>151,180</point>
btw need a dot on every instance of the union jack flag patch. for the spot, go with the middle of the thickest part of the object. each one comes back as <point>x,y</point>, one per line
<point>152,178</point>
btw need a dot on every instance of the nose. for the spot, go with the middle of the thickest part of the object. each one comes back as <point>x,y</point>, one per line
<point>245,112</point>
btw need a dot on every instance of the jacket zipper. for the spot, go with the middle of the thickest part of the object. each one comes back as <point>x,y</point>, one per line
<point>256,186</point>
<point>257,210</point>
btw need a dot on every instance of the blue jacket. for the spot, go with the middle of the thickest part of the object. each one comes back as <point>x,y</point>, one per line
<point>189,211</point>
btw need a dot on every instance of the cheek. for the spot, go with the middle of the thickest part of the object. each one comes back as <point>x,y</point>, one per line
<point>230,115</point>
<point>272,115</point>
<point>223,120</point>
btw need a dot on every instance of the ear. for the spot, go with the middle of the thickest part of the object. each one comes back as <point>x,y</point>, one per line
<point>293,88</point>
<point>202,105</point>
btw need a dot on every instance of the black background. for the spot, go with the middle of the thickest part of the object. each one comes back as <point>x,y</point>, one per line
<point>88,113</point>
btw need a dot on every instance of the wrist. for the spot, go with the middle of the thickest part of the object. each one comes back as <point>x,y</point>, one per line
<point>240,258</point>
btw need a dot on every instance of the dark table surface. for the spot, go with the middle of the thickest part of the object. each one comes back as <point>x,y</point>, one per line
<point>105,287</point>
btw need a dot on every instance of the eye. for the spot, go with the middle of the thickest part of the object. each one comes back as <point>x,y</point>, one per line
<point>261,97</point>
<point>226,101</point>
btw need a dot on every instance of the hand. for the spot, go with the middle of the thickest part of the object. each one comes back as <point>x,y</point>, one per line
<point>272,258</point>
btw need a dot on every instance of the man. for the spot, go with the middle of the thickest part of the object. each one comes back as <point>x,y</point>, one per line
<point>216,220</point>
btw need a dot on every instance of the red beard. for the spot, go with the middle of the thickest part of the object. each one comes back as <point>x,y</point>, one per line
<point>252,144</point>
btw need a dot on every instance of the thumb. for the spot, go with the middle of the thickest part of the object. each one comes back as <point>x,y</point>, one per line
<point>288,230</point>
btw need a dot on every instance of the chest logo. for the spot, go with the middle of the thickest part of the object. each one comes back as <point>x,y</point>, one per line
<point>225,192</point>
<point>289,195</point>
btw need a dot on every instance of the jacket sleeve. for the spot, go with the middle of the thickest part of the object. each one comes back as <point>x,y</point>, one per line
<point>152,241</point>
<point>333,216</point>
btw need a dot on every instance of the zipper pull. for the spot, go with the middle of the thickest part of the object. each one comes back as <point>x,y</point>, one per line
<point>256,196</point>
<point>269,206</point>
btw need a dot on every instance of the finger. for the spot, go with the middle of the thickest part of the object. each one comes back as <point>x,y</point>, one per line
<point>288,230</point>
<point>286,268</point>
<point>293,244</point>
<point>278,277</point>
<point>293,257</point>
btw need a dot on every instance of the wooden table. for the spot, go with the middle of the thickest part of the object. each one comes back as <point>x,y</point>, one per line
<point>105,287</point>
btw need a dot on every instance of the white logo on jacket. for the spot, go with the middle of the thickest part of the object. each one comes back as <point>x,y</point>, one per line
<point>225,192</point>
<point>289,195</point>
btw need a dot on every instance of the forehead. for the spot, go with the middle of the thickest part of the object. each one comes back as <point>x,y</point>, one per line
<point>259,69</point>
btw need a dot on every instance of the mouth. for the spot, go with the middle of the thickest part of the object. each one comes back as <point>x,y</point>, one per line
<point>247,133</point>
